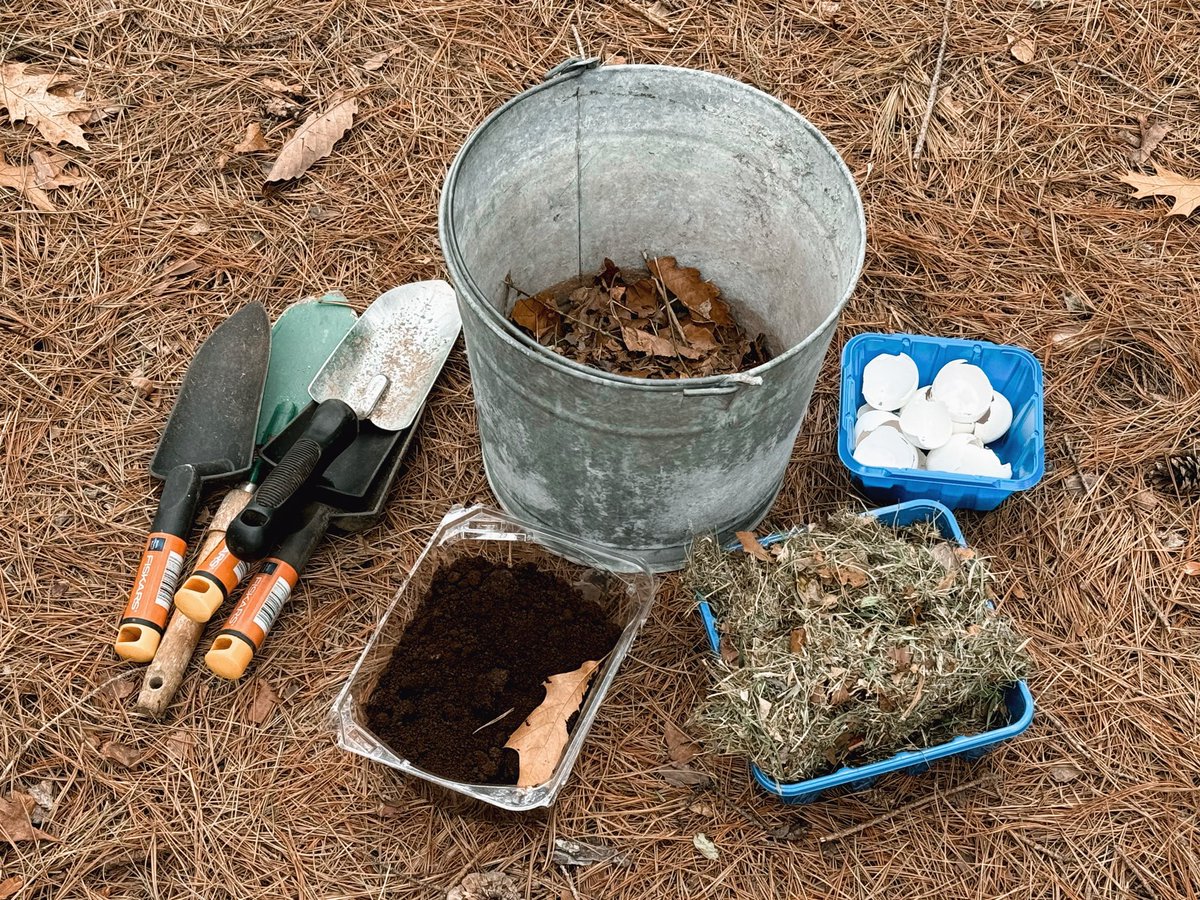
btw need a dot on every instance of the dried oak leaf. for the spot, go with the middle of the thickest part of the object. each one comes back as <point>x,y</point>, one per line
<point>1152,134</point>
<point>640,341</point>
<point>543,735</point>
<point>698,295</point>
<point>24,180</point>
<point>27,97</point>
<point>1065,772</point>
<point>1191,568</point>
<point>264,702</point>
<point>751,545</point>
<point>534,314</point>
<point>728,651</point>
<point>486,886</point>
<point>378,61</point>
<point>122,754</point>
<point>706,847</point>
<point>253,141</point>
<point>1022,49</point>
<point>641,297</point>
<point>11,886</point>
<point>313,140</point>
<point>700,337</point>
<point>1164,183</point>
<point>680,748</point>
<point>14,819</point>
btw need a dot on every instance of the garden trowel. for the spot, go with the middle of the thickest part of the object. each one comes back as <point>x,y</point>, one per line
<point>209,436</point>
<point>382,372</point>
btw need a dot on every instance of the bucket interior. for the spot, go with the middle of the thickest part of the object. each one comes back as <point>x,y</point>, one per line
<point>626,159</point>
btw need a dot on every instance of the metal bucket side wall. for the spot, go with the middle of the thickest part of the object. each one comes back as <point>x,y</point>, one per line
<point>639,471</point>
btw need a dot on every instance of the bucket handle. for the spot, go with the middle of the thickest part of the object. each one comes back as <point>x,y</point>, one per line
<point>572,66</point>
<point>731,384</point>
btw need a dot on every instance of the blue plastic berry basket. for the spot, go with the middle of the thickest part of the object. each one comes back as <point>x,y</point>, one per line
<point>1013,371</point>
<point>857,778</point>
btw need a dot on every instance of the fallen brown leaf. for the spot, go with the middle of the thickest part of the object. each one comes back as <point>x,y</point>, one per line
<point>1165,183</point>
<point>313,140</point>
<point>10,886</point>
<point>253,142</point>
<point>24,180</point>
<point>682,776</point>
<point>642,298</point>
<point>264,702</point>
<point>680,748</point>
<point>644,342</point>
<point>50,170</point>
<point>848,576</point>
<point>542,736</point>
<point>27,97</point>
<point>1191,568</point>
<point>729,652</point>
<point>144,386</point>
<point>751,545</point>
<point>122,754</point>
<point>181,744</point>
<point>486,886</point>
<point>1152,134</point>
<point>698,295</point>
<point>1065,773</point>
<point>797,639</point>
<point>1022,49</point>
<point>378,61</point>
<point>118,690</point>
<point>14,819</point>
<point>279,87</point>
<point>534,314</point>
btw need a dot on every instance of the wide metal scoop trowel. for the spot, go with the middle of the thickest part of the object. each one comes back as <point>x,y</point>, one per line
<point>382,371</point>
<point>209,436</point>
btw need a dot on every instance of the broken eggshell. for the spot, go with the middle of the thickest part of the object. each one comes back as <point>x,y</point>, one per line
<point>994,423</point>
<point>926,423</point>
<point>965,389</point>
<point>886,448</point>
<point>871,420</point>
<point>947,458</point>
<point>889,381</point>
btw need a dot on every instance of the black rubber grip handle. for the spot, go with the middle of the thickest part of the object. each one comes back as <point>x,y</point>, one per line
<point>331,429</point>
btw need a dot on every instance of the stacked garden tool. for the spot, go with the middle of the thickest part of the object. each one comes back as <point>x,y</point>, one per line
<point>330,403</point>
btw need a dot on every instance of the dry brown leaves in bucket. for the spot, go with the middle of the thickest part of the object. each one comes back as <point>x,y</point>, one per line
<point>662,322</point>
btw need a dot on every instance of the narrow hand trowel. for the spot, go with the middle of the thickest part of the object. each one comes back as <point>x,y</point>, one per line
<point>382,372</point>
<point>302,339</point>
<point>209,436</point>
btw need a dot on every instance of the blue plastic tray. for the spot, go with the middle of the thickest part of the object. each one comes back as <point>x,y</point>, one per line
<point>1013,371</point>
<point>857,778</point>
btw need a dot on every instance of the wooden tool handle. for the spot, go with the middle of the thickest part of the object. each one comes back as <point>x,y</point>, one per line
<point>165,673</point>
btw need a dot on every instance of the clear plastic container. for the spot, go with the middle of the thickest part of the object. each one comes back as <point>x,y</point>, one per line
<point>622,585</point>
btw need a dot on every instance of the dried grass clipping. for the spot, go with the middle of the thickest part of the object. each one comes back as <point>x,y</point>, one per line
<point>855,642</point>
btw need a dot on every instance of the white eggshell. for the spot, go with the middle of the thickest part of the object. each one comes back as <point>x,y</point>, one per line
<point>982,461</point>
<point>926,423</point>
<point>965,427</point>
<point>871,420</point>
<point>889,381</point>
<point>965,390</point>
<point>886,447</point>
<point>863,410</point>
<point>994,423</point>
<point>948,457</point>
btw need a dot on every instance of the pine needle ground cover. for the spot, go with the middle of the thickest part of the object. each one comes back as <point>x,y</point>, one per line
<point>849,642</point>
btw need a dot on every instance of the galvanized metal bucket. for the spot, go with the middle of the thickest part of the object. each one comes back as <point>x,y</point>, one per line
<point>613,161</point>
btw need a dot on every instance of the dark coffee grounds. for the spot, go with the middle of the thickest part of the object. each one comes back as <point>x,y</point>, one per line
<point>483,641</point>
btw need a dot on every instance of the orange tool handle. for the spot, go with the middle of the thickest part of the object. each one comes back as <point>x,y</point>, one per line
<point>165,673</point>
<point>145,616</point>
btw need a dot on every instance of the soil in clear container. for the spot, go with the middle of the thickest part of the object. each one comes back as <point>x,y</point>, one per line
<point>471,664</point>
